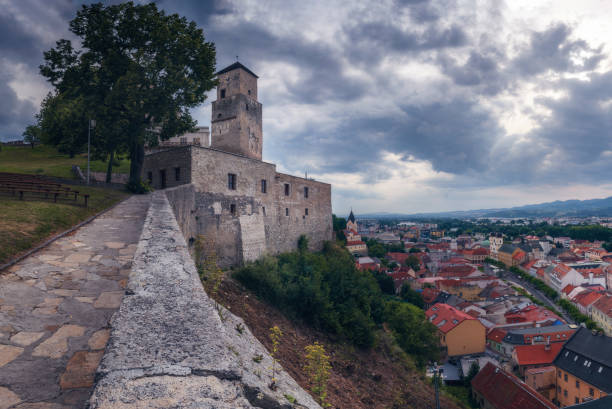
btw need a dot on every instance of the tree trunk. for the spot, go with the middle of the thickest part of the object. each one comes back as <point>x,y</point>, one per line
<point>136,162</point>
<point>109,169</point>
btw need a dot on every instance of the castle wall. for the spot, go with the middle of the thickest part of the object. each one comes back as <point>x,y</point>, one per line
<point>245,223</point>
<point>167,159</point>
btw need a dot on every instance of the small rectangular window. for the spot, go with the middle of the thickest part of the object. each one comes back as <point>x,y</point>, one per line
<point>565,392</point>
<point>306,192</point>
<point>306,212</point>
<point>177,174</point>
<point>578,384</point>
<point>150,177</point>
<point>231,181</point>
<point>233,208</point>
<point>565,377</point>
<point>264,186</point>
<point>286,189</point>
<point>263,210</point>
<point>222,93</point>
<point>286,211</point>
<point>183,141</point>
<point>591,392</point>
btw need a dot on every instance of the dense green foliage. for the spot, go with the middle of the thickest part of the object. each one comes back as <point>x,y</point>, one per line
<point>136,70</point>
<point>513,230</point>
<point>327,291</point>
<point>413,297</point>
<point>378,249</point>
<point>339,224</point>
<point>576,315</point>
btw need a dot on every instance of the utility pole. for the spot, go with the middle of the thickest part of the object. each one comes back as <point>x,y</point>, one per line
<point>90,124</point>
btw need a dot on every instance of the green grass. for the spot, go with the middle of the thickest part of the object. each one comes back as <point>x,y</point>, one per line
<point>46,160</point>
<point>24,224</point>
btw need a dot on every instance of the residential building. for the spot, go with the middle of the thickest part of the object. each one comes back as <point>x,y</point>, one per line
<point>535,335</point>
<point>584,368</point>
<point>495,338</point>
<point>459,332</point>
<point>542,379</point>
<point>602,403</point>
<point>535,356</point>
<point>601,313</point>
<point>494,388</point>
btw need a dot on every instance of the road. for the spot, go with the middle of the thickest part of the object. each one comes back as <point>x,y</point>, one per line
<point>513,278</point>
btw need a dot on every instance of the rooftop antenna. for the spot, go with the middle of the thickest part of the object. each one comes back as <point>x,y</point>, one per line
<point>236,58</point>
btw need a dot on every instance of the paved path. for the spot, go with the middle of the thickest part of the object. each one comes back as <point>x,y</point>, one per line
<point>55,308</point>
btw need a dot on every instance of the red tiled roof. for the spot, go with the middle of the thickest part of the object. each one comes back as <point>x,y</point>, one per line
<point>354,243</point>
<point>519,255</point>
<point>529,264</point>
<point>429,294</point>
<point>587,297</point>
<point>503,390</point>
<point>604,304</point>
<point>568,289</point>
<point>531,313</point>
<point>446,317</point>
<point>400,258</point>
<point>496,334</point>
<point>456,271</point>
<point>537,354</point>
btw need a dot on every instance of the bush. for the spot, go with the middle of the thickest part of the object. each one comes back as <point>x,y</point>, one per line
<point>327,291</point>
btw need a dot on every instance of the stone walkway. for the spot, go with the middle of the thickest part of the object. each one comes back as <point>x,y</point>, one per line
<point>55,308</point>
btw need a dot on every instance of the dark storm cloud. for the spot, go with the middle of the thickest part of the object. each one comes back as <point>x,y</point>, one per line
<point>17,42</point>
<point>553,49</point>
<point>14,113</point>
<point>455,136</point>
<point>447,126</point>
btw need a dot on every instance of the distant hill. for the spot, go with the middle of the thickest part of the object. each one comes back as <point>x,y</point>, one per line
<point>566,208</point>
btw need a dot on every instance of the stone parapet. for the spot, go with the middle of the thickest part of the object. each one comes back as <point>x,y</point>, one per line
<point>169,346</point>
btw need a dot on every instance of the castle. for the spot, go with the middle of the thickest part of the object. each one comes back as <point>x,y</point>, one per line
<point>224,191</point>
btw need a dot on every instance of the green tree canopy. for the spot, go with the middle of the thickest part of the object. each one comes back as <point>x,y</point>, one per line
<point>137,72</point>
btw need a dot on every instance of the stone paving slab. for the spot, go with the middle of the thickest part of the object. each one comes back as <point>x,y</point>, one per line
<point>55,309</point>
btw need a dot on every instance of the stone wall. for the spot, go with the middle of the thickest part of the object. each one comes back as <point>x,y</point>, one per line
<point>169,346</point>
<point>167,160</point>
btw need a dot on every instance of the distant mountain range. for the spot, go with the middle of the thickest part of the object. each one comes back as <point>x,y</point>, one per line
<point>567,208</point>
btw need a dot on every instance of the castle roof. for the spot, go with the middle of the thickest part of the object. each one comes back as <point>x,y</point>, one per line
<point>236,66</point>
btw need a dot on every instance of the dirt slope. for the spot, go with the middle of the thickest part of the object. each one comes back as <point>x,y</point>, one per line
<point>380,378</point>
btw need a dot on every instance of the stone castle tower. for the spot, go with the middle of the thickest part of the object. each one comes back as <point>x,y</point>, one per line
<point>236,124</point>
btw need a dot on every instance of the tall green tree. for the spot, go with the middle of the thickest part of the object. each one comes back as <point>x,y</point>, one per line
<point>31,135</point>
<point>63,123</point>
<point>137,71</point>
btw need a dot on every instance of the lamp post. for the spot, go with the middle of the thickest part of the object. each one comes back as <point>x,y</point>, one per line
<point>437,376</point>
<point>91,124</point>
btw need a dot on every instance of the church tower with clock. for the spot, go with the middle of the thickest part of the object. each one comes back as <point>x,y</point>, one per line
<point>236,123</point>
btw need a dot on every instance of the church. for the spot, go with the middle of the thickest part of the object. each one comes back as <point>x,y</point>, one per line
<point>354,244</point>
<point>223,190</point>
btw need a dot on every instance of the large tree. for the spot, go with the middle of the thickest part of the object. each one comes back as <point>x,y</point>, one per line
<point>137,72</point>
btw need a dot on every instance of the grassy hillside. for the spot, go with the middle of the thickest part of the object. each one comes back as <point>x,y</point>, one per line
<point>24,224</point>
<point>46,160</point>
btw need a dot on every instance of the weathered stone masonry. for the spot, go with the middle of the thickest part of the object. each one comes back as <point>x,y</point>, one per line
<point>228,194</point>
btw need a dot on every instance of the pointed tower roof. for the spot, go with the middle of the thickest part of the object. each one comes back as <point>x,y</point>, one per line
<point>235,66</point>
<point>351,216</point>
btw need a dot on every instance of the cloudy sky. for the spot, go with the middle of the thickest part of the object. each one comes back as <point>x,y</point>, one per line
<point>403,105</point>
